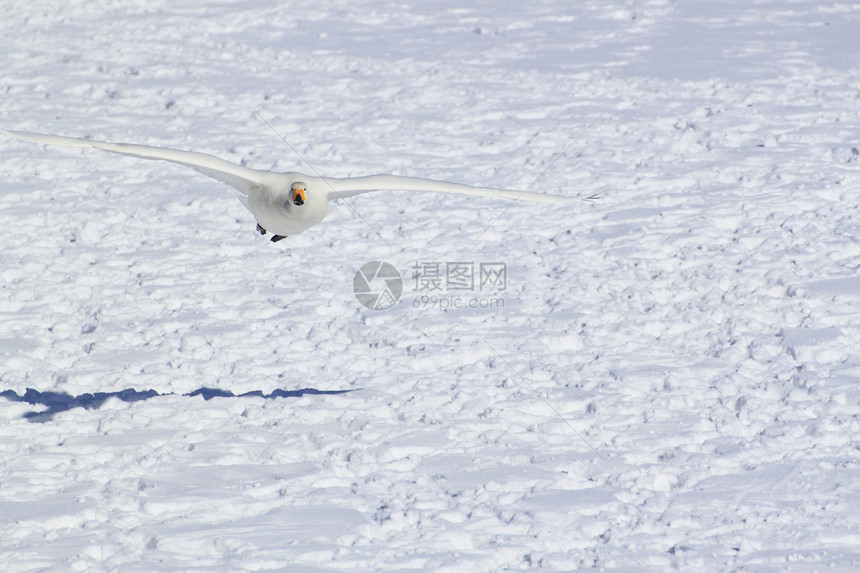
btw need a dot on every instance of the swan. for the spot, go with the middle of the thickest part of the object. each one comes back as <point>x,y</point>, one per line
<point>288,203</point>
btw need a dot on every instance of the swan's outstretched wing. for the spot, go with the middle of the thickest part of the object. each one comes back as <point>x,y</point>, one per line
<point>241,178</point>
<point>340,188</point>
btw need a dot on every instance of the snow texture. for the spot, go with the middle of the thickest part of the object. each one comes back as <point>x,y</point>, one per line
<point>668,378</point>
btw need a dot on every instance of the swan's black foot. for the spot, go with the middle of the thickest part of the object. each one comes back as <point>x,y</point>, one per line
<point>261,229</point>
<point>276,238</point>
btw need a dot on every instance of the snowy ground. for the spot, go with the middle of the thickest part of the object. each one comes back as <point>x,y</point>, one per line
<point>669,379</point>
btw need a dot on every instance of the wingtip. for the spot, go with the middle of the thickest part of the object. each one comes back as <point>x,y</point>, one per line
<point>17,133</point>
<point>23,135</point>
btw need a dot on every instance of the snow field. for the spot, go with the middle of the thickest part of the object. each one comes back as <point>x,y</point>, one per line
<point>670,383</point>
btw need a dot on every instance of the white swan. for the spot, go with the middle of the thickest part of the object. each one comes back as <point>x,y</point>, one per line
<point>284,203</point>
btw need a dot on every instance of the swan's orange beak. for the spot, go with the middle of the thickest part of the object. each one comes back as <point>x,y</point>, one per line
<point>298,197</point>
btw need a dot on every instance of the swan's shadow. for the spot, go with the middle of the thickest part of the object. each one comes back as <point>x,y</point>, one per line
<point>57,402</point>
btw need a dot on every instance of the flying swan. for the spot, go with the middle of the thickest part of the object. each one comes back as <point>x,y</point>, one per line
<point>285,204</point>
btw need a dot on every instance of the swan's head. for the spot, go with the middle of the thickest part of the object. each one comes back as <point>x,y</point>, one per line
<point>297,193</point>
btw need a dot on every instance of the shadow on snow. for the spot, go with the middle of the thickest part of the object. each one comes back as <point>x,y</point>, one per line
<point>57,402</point>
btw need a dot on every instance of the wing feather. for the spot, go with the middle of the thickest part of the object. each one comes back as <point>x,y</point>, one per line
<point>242,178</point>
<point>340,188</point>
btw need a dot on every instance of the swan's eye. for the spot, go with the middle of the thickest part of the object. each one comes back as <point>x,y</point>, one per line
<point>299,190</point>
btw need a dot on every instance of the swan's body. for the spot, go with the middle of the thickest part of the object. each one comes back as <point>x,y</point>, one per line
<point>284,203</point>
